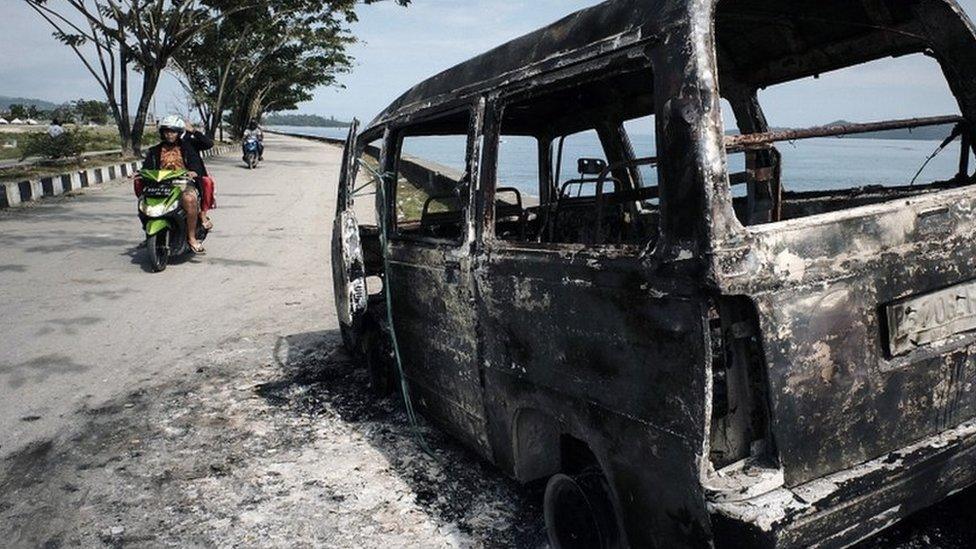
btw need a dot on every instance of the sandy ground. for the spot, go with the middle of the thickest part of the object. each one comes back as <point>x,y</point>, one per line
<point>270,442</point>
<point>276,442</point>
<point>239,422</point>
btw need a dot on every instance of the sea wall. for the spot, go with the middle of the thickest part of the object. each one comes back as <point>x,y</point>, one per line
<point>435,179</point>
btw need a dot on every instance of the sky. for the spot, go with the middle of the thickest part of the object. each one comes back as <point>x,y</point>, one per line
<point>400,47</point>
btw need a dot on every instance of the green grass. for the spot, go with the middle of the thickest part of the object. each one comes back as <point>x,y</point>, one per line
<point>102,138</point>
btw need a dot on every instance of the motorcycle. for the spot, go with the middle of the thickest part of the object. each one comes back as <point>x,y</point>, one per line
<point>251,155</point>
<point>163,216</point>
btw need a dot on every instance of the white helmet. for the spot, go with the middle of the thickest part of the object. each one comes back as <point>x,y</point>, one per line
<point>173,122</point>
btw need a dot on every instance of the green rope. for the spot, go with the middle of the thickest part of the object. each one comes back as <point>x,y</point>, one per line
<point>384,244</point>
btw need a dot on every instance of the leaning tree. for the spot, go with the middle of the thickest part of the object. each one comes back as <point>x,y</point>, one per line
<point>290,78</point>
<point>113,38</point>
<point>264,56</point>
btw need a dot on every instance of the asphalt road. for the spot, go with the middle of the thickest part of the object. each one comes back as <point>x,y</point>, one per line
<point>82,320</point>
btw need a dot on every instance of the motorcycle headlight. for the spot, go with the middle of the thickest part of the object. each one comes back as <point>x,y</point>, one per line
<point>158,210</point>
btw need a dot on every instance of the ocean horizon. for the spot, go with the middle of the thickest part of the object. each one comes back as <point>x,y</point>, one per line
<point>826,163</point>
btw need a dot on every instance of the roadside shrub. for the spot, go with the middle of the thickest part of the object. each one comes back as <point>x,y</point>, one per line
<point>71,143</point>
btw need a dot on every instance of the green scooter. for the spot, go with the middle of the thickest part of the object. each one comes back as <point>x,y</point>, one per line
<point>163,217</point>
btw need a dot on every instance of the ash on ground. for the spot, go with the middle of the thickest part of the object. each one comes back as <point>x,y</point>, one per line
<point>259,449</point>
<point>277,442</point>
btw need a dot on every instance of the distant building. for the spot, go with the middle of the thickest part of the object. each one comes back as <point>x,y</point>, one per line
<point>30,122</point>
<point>3,121</point>
<point>16,121</point>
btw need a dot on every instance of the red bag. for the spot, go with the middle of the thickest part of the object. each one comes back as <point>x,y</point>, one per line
<point>208,201</point>
<point>137,186</point>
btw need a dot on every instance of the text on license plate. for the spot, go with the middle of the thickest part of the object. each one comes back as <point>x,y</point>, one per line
<point>931,318</point>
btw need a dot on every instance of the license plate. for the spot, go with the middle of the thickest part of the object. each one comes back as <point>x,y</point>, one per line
<point>931,318</point>
<point>158,191</point>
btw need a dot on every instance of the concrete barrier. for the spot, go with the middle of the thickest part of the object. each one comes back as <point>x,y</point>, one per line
<point>17,193</point>
<point>329,140</point>
<point>435,179</point>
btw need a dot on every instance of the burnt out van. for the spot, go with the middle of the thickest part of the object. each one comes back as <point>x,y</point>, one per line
<point>596,278</point>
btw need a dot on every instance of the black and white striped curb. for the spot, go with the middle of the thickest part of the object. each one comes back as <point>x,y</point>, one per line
<point>14,194</point>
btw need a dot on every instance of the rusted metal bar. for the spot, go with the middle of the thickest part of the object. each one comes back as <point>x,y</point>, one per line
<point>738,143</point>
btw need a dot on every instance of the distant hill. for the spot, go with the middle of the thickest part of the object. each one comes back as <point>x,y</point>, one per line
<point>312,120</point>
<point>6,101</point>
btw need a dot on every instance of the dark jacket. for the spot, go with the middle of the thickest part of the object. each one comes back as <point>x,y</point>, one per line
<point>191,143</point>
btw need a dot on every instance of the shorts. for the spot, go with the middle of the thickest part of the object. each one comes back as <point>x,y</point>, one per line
<point>191,187</point>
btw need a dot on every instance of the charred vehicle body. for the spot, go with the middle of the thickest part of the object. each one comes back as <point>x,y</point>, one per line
<point>692,355</point>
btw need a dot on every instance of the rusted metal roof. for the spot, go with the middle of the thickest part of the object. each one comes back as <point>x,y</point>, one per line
<point>759,42</point>
<point>605,27</point>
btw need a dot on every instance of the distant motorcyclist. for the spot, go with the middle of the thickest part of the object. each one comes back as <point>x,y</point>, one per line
<point>253,130</point>
<point>180,148</point>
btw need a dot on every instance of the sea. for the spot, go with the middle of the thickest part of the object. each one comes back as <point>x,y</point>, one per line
<point>811,164</point>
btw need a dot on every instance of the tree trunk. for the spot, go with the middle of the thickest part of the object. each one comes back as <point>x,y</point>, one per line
<point>213,125</point>
<point>218,106</point>
<point>125,128</point>
<point>150,77</point>
<point>237,113</point>
<point>125,137</point>
<point>120,124</point>
<point>204,115</point>
<point>256,105</point>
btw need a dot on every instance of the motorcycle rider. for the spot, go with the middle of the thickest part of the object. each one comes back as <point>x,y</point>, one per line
<point>179,149</point>
<point>253,130</point>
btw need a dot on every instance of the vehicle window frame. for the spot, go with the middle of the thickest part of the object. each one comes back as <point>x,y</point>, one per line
<point>372,136</point>
<point>757,117</point>
<point>498,101</point>
<point>723,199</point>
<point>399,131</point>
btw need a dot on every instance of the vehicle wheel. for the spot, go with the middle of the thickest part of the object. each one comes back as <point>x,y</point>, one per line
<point>158,248</point>
<point>579,512</point>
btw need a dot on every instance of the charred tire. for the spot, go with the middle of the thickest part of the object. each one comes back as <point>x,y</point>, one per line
<point>579,512</point>
<point>158,247</point>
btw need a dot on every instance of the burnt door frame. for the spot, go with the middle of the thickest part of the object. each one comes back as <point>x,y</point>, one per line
<point>605,344</point>
<point>431,282</point>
